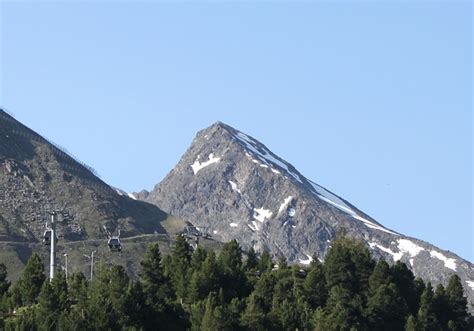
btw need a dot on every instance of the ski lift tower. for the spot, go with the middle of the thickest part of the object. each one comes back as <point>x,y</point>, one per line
<point>52,256</point>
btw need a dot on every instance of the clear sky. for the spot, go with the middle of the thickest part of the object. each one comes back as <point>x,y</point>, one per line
<point>371,99</point>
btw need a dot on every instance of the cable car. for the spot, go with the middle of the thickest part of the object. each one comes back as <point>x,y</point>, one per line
<point>114,244</point>
<point>47,237</point>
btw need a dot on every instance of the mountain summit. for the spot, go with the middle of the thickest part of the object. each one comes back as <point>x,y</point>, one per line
<point>231,186</point>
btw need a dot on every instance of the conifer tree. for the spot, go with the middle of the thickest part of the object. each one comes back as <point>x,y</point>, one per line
<point>107,305</point>
<point>232,276</point>
<point>386,307</point>
<point>205,280</point>
<point>411,324</point>
<point>265,263</point>
<point>314,285</point>
<point>440,306</point>
<point>214,318</point>
<point>178,269</point>
<point>456,303</point>
<point>427,320</point>
<point>380,276</point>
<point>198,257</point>
<point>254,316</point>
<point>197,313</point>
<point>4,283</point>
<point>60,290</point>
<point>342,312</point>
<point>348,264</point>
<point>31,280</point>
<point>252,260</point>
<point>78,289</point>
<point>155,283</point>
<point>49,308</point>
<point>408,289</point>
<point>138,313</point>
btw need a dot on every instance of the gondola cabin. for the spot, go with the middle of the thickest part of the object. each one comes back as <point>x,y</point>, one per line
<point>47,237</point>
<point>115,245</point>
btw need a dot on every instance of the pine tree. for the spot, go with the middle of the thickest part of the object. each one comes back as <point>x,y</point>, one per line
<point>348,264</point>
<point>197,313</point>
<point>31,280</point>
<point>60,290</point>
<point>427,320</point>
<point>78,289</point>
<point>456,303</point>
<point>233,279</point>
<point>314,285</point>
<point>407,287</point>
<point>4,283</point>
<point>342,312</point>
<point>282,263</point>
<point>214,318</point>
<point>178,269</point>
<point>205,280</point>
<point>440,306</point>
<point>411,324</point>
<point>263,291</point>
<point>284,302</point>
<point>107,304</point>
<point>254,317</point>
<point>49,307</point>
<point>78,293</point>
<point>265,264</point>
<point>198,257</point>
<point>380,276</point>
<point>155,283</point>
<point>386,307</point>
<point>252,260</point>
<point>139,314</point>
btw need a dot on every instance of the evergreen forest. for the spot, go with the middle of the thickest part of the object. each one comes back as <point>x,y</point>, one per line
<point>229,290</point>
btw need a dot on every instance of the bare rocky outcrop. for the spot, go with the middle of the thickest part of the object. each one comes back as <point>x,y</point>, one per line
<point>230,186</point>
<point>37,176</point>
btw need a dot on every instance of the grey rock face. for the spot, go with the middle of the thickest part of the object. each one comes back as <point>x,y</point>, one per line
<point>231,186</point>
<point>37,176</point>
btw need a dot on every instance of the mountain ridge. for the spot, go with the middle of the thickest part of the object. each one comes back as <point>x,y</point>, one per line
<point>232,186</point>
<point>36,176</point>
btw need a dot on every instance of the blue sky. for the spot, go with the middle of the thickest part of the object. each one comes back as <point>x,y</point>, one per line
<point>370,99</point>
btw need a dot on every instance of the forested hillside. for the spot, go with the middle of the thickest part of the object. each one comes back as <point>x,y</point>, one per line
<point>202,290</point>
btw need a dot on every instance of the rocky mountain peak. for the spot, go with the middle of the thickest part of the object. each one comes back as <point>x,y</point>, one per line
<point>231,186</point>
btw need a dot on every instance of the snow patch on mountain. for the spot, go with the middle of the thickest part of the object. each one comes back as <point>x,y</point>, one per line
<point>233,225</point>
<point>285,204</point>
<point>254,226</point>
<point>396,256</point>
<point>234,186</point>
<point>131,196</point>
<point>264,155</point>
<point>448,262</point>
<point>470,283</point>
<point>197,165</point>
<point>291,212</point>
<point>261,214</point>
<point>407,246</point>
<point>306,261</point>
<point>335,201</point>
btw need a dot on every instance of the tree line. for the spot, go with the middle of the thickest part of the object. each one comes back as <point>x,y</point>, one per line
<point>201,290</point>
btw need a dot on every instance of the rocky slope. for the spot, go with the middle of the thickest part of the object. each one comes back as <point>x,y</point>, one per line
<point>229,185</point>
<point>37,176</point>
